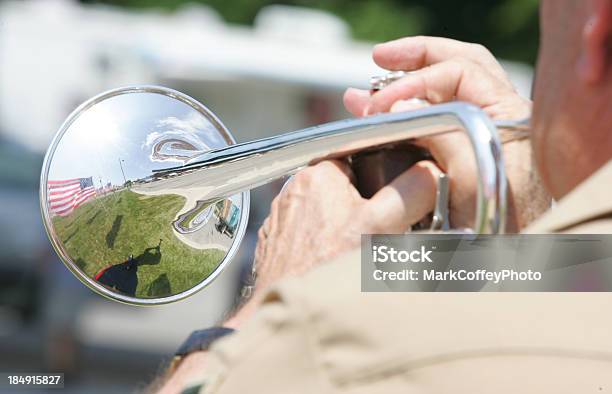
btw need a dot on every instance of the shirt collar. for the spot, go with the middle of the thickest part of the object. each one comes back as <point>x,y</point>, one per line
<point>590,199</point>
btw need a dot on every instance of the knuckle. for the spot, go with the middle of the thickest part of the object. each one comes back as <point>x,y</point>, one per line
<point>308,176</point>
<point>480,49</point>
<point>461,65</point>
<point>324,166</point>
<point>460,61</point>
<point>334,170</point>
<point>290,195</point>
<point>303,177</point>
<point>263,231</point>
<point>429,171</point>
<point>261,234</point>
<point>419,39</point>
<point>275,203</point>
<point>428,165</point>
<point>311,178</point>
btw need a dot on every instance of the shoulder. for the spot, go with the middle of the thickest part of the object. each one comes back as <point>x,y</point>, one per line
<point>321,332</point>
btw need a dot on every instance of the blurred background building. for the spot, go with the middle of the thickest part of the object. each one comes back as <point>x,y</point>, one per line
<point>261,66</point>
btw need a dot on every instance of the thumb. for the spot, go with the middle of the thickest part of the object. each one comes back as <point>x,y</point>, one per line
<point>406,200</point>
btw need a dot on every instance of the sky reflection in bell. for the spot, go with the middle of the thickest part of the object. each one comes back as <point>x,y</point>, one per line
<point>128,128</point>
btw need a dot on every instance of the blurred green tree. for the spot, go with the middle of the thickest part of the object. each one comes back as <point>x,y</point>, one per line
<point>509,28</point>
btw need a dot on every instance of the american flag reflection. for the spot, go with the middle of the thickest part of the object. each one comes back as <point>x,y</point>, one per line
<point>67,195</point>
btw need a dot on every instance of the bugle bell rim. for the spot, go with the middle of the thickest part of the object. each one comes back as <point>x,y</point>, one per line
<point>53,236</point>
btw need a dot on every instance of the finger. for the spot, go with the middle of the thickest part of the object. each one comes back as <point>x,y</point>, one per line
<point>413,53</point>
<point>345,168</point>
<point>356,100</point>
<point>334,169</point>
<point>286,184</point>
<point>407,199</point>
<point>456,79</point>
<point>264,230</point>
<point>272,221</point>
<point>260,251</point>
<point>262,237</point>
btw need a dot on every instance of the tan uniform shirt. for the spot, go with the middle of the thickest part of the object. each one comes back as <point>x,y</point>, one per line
<point>320,334</point>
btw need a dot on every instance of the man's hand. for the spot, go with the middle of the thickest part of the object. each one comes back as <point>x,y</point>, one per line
<point>443,70</point>
<point>320,214</point>
<point>447,70</point>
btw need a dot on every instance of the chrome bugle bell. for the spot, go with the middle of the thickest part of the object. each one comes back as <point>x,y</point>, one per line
<point>145,194</point>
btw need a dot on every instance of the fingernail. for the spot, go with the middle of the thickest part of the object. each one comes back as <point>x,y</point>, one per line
<point>417,101</point>
<point>409,105</point>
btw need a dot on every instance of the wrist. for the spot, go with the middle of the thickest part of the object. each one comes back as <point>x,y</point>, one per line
<point>189,357</point>
<point>244,311</point>
<point>180,377</point>
<point>239,317</point>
